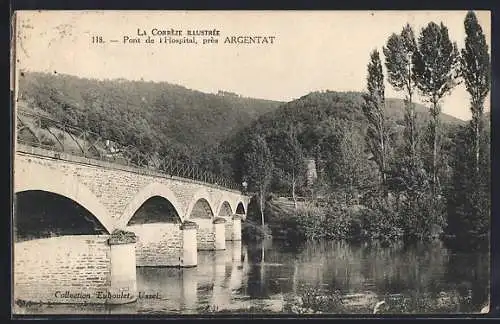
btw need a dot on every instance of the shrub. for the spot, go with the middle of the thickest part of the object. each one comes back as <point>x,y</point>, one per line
<point>252,231</point>
<point>45,140</point>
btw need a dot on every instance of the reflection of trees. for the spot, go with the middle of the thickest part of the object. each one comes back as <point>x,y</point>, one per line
<point>384,270</point>
<point>236,264</point>
<point>470,272</point>
<point>268,267</point>
<point>256,285</point>
<point>419,271</point>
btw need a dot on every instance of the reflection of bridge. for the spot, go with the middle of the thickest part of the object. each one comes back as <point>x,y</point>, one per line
<point>72,218</point>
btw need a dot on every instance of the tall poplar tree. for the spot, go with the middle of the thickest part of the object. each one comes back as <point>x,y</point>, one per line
<point>475,70</point>
<point>436,72</point>
<point>374,110</point>
<point>399,52</point>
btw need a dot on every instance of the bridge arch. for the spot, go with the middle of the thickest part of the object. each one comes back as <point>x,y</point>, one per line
<point>224,204</point>
<point>241,208</point>
<point>67,186</point>
<point>201,196</point>
<point>147,192</point>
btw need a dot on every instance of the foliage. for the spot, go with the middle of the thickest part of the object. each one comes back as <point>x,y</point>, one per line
<point>435,73</point>
<point>258,166</point>
<point>346,162</point>
<point>252,231</point>
<point>469,196</point>
<point>153,116</point>
<point>339,223</point>
<point>475,70</point>
<point>380,223</point>
<point>317,300</point>
<point>316,121</point>
<point>399,52</point>
<point>289,162</point>
<point>349,135</point>
<point>475,63</point>
<point>435,63</point>
<point>374,110</point>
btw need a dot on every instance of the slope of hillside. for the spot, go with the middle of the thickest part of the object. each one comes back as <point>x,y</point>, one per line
<point>317,119</point>
<point>158,116</point>
<point>395,109</point>
<point>313,109</point>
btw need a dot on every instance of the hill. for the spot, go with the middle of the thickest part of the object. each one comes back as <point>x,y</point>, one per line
<point>150,115</point>
<point>317,119</point>
<point>210,130</point>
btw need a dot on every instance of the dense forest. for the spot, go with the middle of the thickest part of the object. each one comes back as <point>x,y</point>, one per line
<point>387,174</point>
<point>310,127</point>
<point>386,169</point>
<point>152,116</point>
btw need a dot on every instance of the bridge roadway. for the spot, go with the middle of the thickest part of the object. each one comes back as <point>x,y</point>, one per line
<point>97,263</point>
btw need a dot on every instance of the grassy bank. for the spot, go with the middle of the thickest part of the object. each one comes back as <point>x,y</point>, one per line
<point>313,300</point>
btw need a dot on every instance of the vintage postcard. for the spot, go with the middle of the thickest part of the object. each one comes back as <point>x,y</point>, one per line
<point>251,162</point>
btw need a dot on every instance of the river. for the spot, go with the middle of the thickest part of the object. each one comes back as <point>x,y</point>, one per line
<point>270,276</point>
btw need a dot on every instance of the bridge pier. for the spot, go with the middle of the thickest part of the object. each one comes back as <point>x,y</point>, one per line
<point>211,234</point>
<point>236,231</point>
<point>159,244</point>
<point>123,286</point>
<point>189,244</point>
<point>233,227</point>
<point>166,244</point>
<point>220,233</point>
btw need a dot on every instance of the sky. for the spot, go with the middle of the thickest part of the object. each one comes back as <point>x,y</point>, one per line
<point>310,50</point>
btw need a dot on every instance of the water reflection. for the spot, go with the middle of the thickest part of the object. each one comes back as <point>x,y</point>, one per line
<point>247,276</point>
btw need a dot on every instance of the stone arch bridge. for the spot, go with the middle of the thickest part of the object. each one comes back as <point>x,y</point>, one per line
<point>83,225</point>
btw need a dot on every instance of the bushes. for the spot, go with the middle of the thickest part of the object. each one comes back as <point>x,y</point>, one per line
<point>352,223</point>
<point>252,231</point>
<point>421,218</point>
<point>381,224</point>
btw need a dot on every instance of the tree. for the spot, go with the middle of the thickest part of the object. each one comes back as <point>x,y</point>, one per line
<point>345,157</point>
<point>290,160</point>
<point>258,168</point>
<point>469,194</point>
<point>399,52</point>
<point>373,109</point>
<point>435,74</point>
<point>475,70</point>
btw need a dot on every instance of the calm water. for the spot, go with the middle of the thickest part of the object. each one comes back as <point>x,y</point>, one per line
<point>266,276</point>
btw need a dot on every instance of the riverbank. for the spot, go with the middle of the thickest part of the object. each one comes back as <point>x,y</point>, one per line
<point>314,302</point>
<point>354,223</point>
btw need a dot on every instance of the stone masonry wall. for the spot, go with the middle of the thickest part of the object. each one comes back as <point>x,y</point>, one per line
<point>66,269</point>
<point>158,244</point>
<point>229,228</point>
<point>205,235</point>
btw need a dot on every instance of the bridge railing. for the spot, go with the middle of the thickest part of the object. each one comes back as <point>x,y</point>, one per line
<point>41,131</point>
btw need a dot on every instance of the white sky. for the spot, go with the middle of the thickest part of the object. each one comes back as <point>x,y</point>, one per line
<point>313,50</point>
